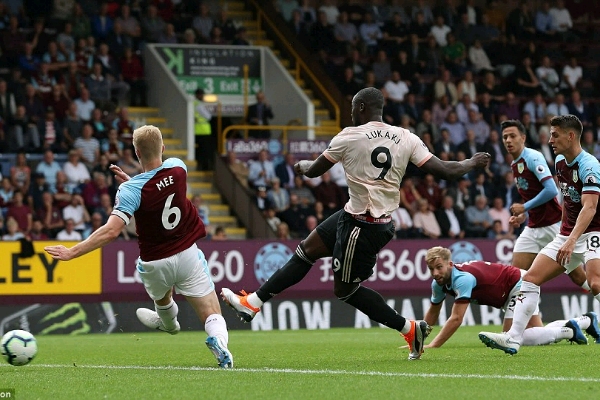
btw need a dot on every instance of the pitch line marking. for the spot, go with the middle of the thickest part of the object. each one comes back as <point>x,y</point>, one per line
<point>327,372</point>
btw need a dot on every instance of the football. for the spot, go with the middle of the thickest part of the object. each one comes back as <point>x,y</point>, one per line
<point>18,347</point>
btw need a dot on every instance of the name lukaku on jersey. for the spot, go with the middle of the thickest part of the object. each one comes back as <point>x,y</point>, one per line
<point>378,134</point>
<point>164,182</point>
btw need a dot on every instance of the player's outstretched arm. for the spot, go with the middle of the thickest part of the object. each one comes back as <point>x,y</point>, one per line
<point>458,313</point>
<point>455,169</point>
<point>120,176</point>
<point>104,235</point>
<point>312,169</point>
<point>432,315</point>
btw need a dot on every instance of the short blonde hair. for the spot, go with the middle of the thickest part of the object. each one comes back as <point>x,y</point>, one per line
<point>437,252</point>
<point>148,141</point>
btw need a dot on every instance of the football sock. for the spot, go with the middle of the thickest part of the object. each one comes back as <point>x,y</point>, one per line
<point>374,306</point>
<point>546,335</point>
<point>524,309</point>
<point>168,314</point>
<point>586,286</point>
<point>291,273</point>
<point>216,326</point>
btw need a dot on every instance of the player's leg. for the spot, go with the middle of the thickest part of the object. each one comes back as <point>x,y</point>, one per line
<point>318,244</point>
<point>523,260</point>
<point>579,278</point>
<point>194,282</point>
<point>158,282</point>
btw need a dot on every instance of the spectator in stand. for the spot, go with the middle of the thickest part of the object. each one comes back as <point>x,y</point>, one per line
<point>37,231</point>
<point>478,126</point>
<point>85,105</point>
<point>348,84</point>
<point>486,31</point>
<point>50,215</point>
<point>238,168</point>
<point>440,109</point>
<point>330,194</point>
<point>580,109</point>
<point>544,24</point>
<point>84,56</point>
<point>558,107</point>
<point>426,125</point>
<point>261,200</point>
<point>431,191</point>
<point>66,41</point>
<point>168,36</point>
<point>36,191</point>
<point>479,58</point>
<point>278,196</point>
<point>23,133</point>
<point>497,232</point>
<point>531,135</point>
<point>59,101</point>
<point>396,89</point>
<point>381,68</point>
<point>62,191</point>
<point>77,212</point>
<point>99,88</point>
<point>189,37</point>
<point>56,59</point>
<point>96,222</point>
<point>69,233</point>
<point>548,77</point>
<point>13,232</point>
<point>444,86</point>
<point>7,192</point>
<point>588,141</point>
<point>203,210</point>
<point>440,31</point>
<point>103,167</point>
<point>111,147</point>
<point>283,231</point>
<point>321,35</point>
<point>465,30</point>
<point>303,194</point>
<point>536,108</point>
<point>330,9</point>
<point>16,85</point>
<point>72,80</point>
<point>216,36</point>
<point>464,106</point>
<point>261,172</point>
<point>409,195</point>
<point>455,128</point>
<point>241,38</point>
<point>419,27</point>
<point>450,220</point>
<point>370,34</point>
<point>228,26</point>
<point>8,105</point>
<point>395,35</point>
<point>117,40</point>
<point>96,196</point>
<point>295,215</point>
<point>29,63</point>
<point>130,26</point>
<point>123,124</point>
<point>345,33</point>
<point>88,146</point>
<point>153,25</point>
<point>487,109</point>
<point>520,22</point>
<point>98,124</point>
<point>478,218</point>
<point>481,186</point>
<point>425,222</point>
<point>500,212</point>
<point>72,124</point>
<point>220,234</point>
<point>102,23</point>
<point>20,212</point>
<point>259,114</point>
<point>571,75</point>
<point>165,9</point>
<point>12,41</point>
<point>467,86</point>
<point>43,81</point>
<point>77,173</point>
<point>403,224</point>
<point>285,171</point>
<point>20,173</point>
<point>510,107</point>
<point>49,167</point>
<point>503,55</point>
<point>561,19</point>
<point>455,55</point>
<point>494,147</point>
<point>491,86</point>
<point>203,23</point>
<point>128,164</point>
<point>81,23</point>
<point>51,134</point>
<point>469,146</point>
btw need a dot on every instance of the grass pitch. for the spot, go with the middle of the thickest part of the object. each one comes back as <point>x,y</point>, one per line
<point>331,364</point>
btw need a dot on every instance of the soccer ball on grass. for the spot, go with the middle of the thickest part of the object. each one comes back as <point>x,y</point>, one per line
<point>18,347</point>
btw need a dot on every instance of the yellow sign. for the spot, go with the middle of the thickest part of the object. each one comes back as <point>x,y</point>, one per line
<point>41,274</point>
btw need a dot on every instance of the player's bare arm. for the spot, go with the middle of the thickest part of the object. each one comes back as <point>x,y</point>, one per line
<point>312,169</point>
<point>455,169</point>
<point>104,235</point>
<point>516,220</point>
<point>452,324</point>
<point>589,202</point>
<point>119,174</point>
<point>517,209</point>
<point>433,313</point>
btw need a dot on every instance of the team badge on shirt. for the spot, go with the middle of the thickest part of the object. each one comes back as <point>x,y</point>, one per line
<point>575,177</point>
<point>521,167</point>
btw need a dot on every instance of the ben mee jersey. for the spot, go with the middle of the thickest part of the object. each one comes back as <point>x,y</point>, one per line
<point>375,156</point>
<point>530,170</point>
<point>166,221</point>
<point>478,282</point>
<point>580,177</point>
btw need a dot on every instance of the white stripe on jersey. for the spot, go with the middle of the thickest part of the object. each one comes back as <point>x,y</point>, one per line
<point>349,255</point>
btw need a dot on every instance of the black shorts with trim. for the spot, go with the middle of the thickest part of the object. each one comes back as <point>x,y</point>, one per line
<point>354,245</point>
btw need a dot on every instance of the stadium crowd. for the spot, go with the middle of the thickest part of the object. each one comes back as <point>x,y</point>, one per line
<point>451,72</point>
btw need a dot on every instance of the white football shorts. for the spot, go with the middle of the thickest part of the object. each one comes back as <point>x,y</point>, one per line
<point>586,249</point>
<point>187,271</point>
<point>533,240</point>
<point>509,306</point>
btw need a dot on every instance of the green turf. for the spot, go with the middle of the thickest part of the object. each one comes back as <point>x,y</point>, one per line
<point>331,364</point>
